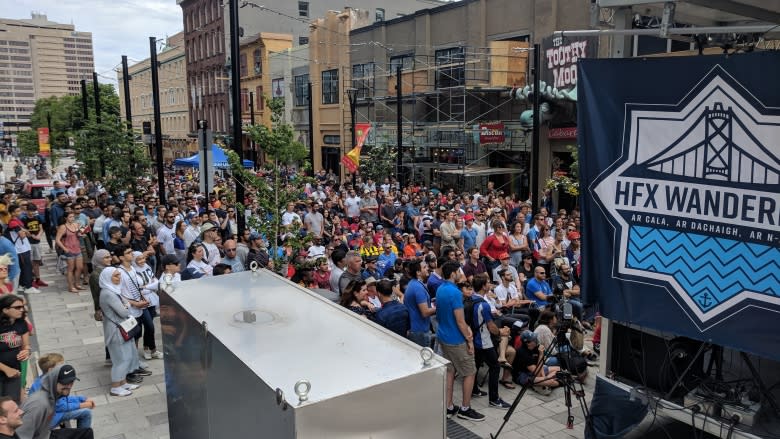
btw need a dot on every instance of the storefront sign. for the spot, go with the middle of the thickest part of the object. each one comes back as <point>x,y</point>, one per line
<point>561,56</point>
<point>491,133</point>
<point>567,133</point>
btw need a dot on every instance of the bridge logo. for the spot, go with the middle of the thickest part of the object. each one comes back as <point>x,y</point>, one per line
<point>695,200</point>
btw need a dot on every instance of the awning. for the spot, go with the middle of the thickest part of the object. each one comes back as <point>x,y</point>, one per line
<point>480,171</point>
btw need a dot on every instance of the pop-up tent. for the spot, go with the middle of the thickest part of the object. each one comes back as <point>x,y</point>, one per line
<point>219,158</point>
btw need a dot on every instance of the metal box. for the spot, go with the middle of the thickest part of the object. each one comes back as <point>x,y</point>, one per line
<point>236,345</point>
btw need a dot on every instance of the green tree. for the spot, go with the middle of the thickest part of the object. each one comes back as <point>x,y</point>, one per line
<point>273,192</point>
<point>378,163</point>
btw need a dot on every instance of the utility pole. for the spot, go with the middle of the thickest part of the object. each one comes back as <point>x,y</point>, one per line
<point>399,159</point>
<point>311,127</point>
<point>84,102</point>
<point>352,95</point>
<point>236,93</point>
<point>535,139</point>
<point>157,123</point>
<point>252,121</point>
<point>96,91</point>
<point>126,87</point>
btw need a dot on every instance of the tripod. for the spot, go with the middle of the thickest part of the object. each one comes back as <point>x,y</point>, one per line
<point>564,377</point>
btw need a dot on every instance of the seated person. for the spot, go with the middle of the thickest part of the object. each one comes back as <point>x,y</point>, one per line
<point>528,361</point>
<point>66,407</point>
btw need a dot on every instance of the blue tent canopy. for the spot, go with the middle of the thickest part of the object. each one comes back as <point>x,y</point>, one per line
<point>219,156</point>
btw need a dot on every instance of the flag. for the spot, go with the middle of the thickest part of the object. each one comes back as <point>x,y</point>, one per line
<point>351,160</point>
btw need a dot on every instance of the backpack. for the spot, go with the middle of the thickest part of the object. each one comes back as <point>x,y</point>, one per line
<point>470,305</point>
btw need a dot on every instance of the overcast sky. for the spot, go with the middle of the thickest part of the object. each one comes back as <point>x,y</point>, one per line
<point>119,27</point>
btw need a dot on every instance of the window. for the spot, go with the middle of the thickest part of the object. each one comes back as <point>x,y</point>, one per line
<point>301,90</point>
<point>242,64</point>
<point>258,60</point>
<point>330,139</point>
<point>244,100</point>
<point>450,67</point>
<point>330,86</point>
<point>380,14</point>
<point>303,9</point>
<point>277,88</point>
<point>302,41</point>
<point>405,61</point>
<point>363,79</point>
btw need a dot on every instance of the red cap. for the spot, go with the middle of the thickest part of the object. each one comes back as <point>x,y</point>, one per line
<point>573,235</point>
<point>468,217</point>
<point>504,255</point>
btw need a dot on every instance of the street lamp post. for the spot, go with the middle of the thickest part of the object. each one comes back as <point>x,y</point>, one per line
<point>352,95</point>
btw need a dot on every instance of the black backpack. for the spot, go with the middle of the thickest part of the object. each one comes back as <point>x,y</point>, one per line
<point>470,305</point>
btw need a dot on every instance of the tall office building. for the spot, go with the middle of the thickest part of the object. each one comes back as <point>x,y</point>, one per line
<point>38,59</point>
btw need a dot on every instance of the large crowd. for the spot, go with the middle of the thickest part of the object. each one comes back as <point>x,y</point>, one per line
<point>480,277</point>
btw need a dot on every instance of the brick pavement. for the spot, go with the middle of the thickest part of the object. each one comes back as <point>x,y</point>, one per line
<point>64,323</point>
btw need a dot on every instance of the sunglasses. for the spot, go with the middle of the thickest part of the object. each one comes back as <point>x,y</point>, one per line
<point>18,307</point>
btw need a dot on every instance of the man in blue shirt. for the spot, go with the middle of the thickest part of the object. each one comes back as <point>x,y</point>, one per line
<point>456,340</point>
<point>393,315</point>
<point>537,288</point>
<point>418,303</point>
<point>386,260</point>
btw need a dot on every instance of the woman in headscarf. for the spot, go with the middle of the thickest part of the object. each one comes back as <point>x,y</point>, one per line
<point>123,352</point>
<point>148,285</point>
<point>100,260</point>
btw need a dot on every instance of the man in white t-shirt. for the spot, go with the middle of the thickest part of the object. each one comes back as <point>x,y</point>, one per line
<point>352,205</point>
<point>289,216</point>
<point>166,233</point>
<point>506,291</point>
<point>209,233</point>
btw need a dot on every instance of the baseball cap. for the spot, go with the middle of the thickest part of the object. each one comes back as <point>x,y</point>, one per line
<point>370,280</point>
<point>503,255</point>
<point>191,273</point>
<point>573,235</point>
<point>254,235</point>
<point>67,375</point>
<point>468,217</point>
<point>529,336</point>
<point>206,227</point>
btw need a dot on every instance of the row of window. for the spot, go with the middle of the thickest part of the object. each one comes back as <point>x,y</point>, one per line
<point>16,72</point>
<point>205,46</point>
<point>258,97</point>
<point>215,115</point>
<point>208,12</point>
<point>170,96</point>
<point>15,87</point>
<point>16,65</point>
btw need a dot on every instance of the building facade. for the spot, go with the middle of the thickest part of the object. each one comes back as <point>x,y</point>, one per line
<point>174,98</point>
<point>461,125</point>
<point>257,85</point>
<point>206,35</point>
<point>290,69</point>
<point>39,59</point>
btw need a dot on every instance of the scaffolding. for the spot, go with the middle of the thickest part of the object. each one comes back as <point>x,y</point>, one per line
<point>444,99</point>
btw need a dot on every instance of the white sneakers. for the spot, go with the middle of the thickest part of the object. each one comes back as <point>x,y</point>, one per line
<point>31,290</point>
<point>148,355</point>
<point>120,391</point>
<point>128,386</point>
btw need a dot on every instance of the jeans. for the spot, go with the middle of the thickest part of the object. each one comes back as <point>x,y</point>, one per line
<point>147,323</point>
<point>421,338</point>
<point>83,417</point>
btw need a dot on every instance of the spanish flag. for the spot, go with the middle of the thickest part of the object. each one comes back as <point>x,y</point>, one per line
<point>351,160</point>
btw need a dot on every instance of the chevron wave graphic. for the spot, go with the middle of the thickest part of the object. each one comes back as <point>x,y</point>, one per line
<point>711,270</point>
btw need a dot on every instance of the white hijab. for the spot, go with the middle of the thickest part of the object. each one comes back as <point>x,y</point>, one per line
<point>106,283</point>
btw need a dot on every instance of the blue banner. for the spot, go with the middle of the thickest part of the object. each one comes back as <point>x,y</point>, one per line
<point>680,167</point>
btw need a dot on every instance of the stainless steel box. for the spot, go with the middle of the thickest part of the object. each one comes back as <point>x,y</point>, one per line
<point>236,345</point>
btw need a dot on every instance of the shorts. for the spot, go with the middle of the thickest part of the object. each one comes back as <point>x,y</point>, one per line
<point>527,377</point>
<point>69,255</point>
<point>460,359</point>
<point>35,252</point>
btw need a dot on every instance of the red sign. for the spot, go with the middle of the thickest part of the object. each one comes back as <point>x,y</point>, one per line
<point>567,133</point>
<point>491,133</point>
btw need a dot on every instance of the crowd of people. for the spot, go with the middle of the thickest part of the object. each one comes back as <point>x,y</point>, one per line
<point>474,276</point>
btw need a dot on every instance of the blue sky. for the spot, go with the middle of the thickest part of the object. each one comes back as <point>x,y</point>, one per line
<point>119,27</point>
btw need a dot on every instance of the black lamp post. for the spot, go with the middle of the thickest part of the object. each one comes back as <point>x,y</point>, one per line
<point>352,95</point>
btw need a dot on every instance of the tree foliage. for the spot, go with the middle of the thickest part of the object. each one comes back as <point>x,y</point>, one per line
<point>273,191</point>
<point>379,162</point>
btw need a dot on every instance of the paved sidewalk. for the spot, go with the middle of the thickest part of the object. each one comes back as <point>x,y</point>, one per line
<point>64,323</point>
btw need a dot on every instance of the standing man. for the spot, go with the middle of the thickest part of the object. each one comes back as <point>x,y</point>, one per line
<point>456,341</point>
<point>33,222</point>
<point>10,418</point>
<point>18,235</point>
<point>418,303</point>
<point>210,233</point>
<point>166,233</point>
